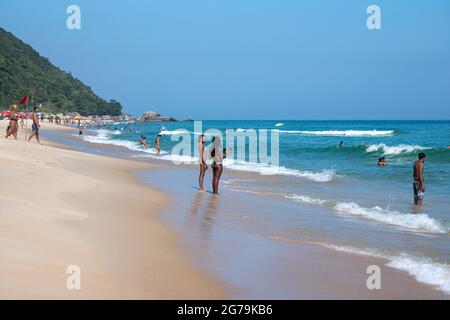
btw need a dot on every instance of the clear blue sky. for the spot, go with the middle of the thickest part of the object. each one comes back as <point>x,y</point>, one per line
<point>250,59</point>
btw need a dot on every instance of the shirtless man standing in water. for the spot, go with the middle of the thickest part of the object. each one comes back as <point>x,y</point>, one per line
<point>419,183</point>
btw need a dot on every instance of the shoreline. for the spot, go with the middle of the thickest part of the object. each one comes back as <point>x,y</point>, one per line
<point>63,208</point>
<point>179,181</point>
<point>261,266</point>
<point>300,269</point>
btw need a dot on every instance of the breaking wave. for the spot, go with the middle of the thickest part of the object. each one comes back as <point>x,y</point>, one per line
<point>395,150</point>
<point>343,133</point>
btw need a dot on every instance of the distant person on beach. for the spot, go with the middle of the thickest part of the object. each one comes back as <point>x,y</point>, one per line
<point>13,123</point>
<point>80,132</point>
<point>217,166</point>
<point>382,161</point>
<point>158,143</point>
<point>341,143</point>
<point>419,183</point>
<point>35,127</point>
<point>143,141</point>
<point>202,161</point>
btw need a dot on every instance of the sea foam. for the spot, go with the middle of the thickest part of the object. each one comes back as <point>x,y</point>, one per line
<point>322,176</point>
<point>418,222</point>
<point>105,137</point>
<point>345,133</point>
<point>414,222</point>
<point>424,270</point>
<point>395,150</point>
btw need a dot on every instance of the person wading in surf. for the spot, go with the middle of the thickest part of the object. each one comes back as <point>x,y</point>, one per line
<point>217,155</point>
<point>419,183</point>
<point>202,161</point>
<point>158,144</point>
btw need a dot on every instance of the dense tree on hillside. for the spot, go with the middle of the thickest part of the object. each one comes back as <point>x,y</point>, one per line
<point>23,71</point>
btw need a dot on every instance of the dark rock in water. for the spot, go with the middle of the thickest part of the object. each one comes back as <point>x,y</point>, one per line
<point>150,116</point>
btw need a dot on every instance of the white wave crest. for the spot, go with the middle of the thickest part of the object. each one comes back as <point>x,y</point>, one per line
<point>323,176</point>
<point>104,137</point>
<point>424,270</point>
<point>306,199</point>
<point>344,133</point>
<point>394,150</point>
<point>419,222</point>
<point>173,132</point>
<point>359,251</point>
<point>279,124</point>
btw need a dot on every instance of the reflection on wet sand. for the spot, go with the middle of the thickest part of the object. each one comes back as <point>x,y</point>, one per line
<point>207,212</point>
<point>196,203</point>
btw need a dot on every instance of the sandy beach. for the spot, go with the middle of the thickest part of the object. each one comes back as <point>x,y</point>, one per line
<point>61,208</point>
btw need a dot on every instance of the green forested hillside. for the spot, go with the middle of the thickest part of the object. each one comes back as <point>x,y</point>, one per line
<point>24,71</point>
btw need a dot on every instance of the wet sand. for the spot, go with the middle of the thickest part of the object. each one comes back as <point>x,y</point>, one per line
<point>61,208</point>
<point>259,265</point>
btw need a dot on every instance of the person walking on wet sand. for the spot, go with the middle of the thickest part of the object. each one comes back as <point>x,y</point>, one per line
<point>419,183</point>
<point>35,127</point>
<point>13,123</point>
<point>217,167</point>
<point>202,161</point>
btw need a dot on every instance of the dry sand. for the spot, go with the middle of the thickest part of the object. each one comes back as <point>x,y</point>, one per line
<point>61,207</point>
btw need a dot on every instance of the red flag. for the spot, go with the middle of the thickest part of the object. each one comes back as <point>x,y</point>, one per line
<point>23,100</point>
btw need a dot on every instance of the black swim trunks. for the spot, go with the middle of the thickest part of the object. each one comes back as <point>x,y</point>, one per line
<point>35,128</point>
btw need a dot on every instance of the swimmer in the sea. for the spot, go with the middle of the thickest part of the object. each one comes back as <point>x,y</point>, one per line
<point>382,161</point>
<point>143,142</point>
